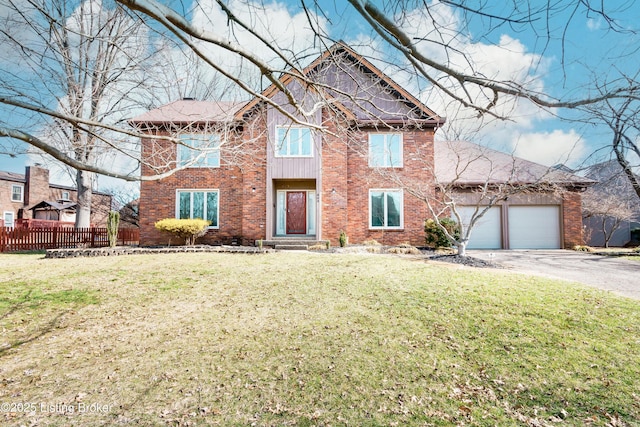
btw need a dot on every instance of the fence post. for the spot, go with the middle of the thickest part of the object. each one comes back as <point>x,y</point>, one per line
<point>3,238</point>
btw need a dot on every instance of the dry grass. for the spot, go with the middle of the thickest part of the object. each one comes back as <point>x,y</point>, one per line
<point>404,249</point>
<point>309,339</point>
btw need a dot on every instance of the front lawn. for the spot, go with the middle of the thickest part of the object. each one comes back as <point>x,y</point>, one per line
<point>310,340</point>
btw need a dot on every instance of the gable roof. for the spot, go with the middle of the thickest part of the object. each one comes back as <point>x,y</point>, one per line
<point>467,164</point>
<point>387,86</point>
<point>612,180</point>
<point>12,176</point>
<point>58,206</point>
<point>387,102</point>
<point>189,111</point>
<point>20,177</point>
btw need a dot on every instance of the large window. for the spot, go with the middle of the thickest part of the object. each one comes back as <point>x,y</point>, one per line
<point>385,150</point>
<point>199,150</point>
<point>293,142</point>
<point>385,209</point>
<point>203,204</point>
<point>16,193</point>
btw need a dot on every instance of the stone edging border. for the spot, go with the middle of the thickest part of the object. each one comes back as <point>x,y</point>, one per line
<point>134,250</point>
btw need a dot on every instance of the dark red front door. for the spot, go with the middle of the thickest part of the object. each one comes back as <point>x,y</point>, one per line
<point>296,212</point>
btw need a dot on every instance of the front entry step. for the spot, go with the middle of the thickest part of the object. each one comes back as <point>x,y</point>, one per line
<point>291,247</point>
<point>291,244</point>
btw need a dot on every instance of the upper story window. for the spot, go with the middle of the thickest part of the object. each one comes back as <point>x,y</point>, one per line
<point>65,195</point>
<point>293,142</point>
<point>385,150</point>
<point>17,193</point>
<point>199,150</point>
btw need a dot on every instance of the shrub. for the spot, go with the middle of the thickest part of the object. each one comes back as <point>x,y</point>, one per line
<point>435,237</point>
<point>112,227</point>
<point>187,229</point>
<point>371,242</point>
<point>404,249</point>
<point>583,248</point>
<point>343,239</point>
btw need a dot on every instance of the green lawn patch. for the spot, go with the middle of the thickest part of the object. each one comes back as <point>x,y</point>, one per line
<point>311,339</point>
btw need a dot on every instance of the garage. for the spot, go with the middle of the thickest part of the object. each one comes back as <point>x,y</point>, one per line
<point>486,234</point>
<point>534,227</point>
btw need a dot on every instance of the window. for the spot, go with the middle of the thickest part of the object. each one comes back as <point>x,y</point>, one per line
<point>201,204</point>
<point>65,195</point>
<point>293,142</point>
<point>385,209</point>
<point>199,150</point>
<point>16,193</point>
<point>385,150</point>
<point>9,218</point>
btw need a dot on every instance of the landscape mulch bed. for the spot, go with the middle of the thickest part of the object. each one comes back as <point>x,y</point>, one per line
<point>135,250</point>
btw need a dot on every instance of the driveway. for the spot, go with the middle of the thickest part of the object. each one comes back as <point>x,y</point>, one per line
<point>613,274</point>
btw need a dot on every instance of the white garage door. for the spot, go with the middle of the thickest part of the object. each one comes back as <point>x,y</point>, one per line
<point>534,227</point>
<point>486,232</point>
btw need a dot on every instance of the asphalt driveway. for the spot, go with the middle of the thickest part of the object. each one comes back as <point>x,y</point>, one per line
<point>613,274</point>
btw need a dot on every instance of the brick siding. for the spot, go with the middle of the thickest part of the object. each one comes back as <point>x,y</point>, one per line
<point>572,219</point>
<point>242,209</point>
<point>344,193</point>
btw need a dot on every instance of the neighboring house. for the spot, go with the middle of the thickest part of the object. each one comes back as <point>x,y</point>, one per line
<point>30,196</point>
<point>612,200</point>
<point>275,179</point>
<point>543,213</point>
<point>129,216</point>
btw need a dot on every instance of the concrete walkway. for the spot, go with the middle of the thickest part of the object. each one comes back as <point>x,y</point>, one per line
<point>614,274</point>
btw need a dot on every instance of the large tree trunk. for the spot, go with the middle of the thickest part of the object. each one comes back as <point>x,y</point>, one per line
<point>83,211</point>
<point>462,248</point>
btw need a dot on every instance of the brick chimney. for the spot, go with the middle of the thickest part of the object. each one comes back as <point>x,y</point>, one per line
<point>36,186</point>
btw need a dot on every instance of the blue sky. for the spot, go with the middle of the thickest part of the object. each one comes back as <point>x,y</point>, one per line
<point>566,67</point>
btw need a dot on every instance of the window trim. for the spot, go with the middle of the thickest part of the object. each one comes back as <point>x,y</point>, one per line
<point>202,162</point>
<point>386,212</point>
<point>276,151</point>
<point>385,156</point>
<point>21,187</point>
<point>13,219</point>
<point>198,190</point>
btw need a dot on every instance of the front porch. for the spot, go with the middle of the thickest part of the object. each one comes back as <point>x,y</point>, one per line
<point>294,216</point>
<point>292,243</point>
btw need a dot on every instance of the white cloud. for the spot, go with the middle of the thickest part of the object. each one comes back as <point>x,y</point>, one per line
<point>290,33</point>
<point>551,148</point>
<point>443,38</point>
<point>594,24</point>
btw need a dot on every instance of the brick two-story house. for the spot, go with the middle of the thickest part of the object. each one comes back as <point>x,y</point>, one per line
<point>259,174</point>
<point>31,196</point>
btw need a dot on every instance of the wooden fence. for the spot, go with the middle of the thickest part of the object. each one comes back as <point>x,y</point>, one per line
<point>31,239</point>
